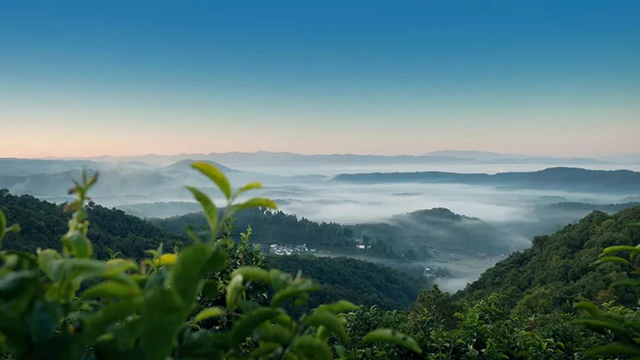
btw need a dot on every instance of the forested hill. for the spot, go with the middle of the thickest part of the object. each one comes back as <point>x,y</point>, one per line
<point>43,224</point>
<point>361,282</point>
<point>274,227</point>
<point>560,178</point>
<point>558,269</point>
<point>420,232</point>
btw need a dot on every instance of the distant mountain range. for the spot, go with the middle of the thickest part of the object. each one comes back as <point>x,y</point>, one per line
<point>560,178</point>
<point>123,183</point>
<point>288,158</point>
<point>493,157</point>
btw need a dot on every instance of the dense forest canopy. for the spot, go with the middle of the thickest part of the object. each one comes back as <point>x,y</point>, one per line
<point>358,281</point>
<point>43,223</point>
<point>559,268</point>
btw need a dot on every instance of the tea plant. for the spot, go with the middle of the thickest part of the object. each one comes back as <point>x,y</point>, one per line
<point>619,323</point>
<point>71,306</point>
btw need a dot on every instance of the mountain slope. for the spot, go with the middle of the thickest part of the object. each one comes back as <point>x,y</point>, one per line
<point>559,178</point>
<point>358,281</point>
<point>558,269</point>
<point>43,224</point>
<point>441,230</point>
<point>22,167</point>
<point>186,165</point>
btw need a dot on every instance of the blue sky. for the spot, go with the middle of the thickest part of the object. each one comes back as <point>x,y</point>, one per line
<point>131,77</point>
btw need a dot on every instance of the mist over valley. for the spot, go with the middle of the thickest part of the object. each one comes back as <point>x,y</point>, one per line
<point>455,216</point>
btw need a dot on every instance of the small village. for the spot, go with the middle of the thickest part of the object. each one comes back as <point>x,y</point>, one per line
<point>278,249</point>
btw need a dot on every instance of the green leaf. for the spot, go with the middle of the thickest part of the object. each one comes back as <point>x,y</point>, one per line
<point>218,260</point>
<point>77,244</point>
<point>248,322</point>
<point>118,266</point>
<point>161,322</point>
<point>15,283</point>
<point>588,307</point>
<point>188,270</point>
<point>613,259</point>
<point>255,202</point>
<point>312,347</point>
<point>612,249</point>
<point>626,282</point>
<point>234,292</point>
<point>45,257</point>
<point>210,289</point>
<point>97,323</point>
<point>283,320</point>
<point>612,349</point>
<point>253,273</point>
<point>110,289</point>
<point>4,229</point>
<point>208,313</point>
<point>43,323</point>
<point>299,288</point>
<point>15,228</point>
<point>3,225</point>
<point>601,323</point>
<point>329,321</point>
<point>215,175</point>
<point>392,337</point>
<point>279,279</point>
<point>78,269</point>
<point>209,209</point>
<point>338,307</point>
<point>273,333</point>
<point>248,187</point>
<point>264,349</point>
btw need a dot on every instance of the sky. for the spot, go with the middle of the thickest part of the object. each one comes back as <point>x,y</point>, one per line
<point>88,78</point>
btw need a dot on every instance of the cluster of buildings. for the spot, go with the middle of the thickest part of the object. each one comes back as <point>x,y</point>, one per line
<point>277,249</point>
<point>361,245</point>
<point>429,273</point>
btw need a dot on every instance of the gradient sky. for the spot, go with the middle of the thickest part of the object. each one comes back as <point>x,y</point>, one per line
<point>85,78</point>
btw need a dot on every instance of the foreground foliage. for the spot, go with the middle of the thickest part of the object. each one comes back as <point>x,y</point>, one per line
<point>192,302</point>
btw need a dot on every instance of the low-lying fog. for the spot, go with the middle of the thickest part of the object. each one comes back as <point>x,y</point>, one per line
<point>509,210</point>
<point>515,212</point>
<point>360,203</point>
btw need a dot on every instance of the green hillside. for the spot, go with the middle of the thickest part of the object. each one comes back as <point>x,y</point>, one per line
<point>43,224</point>
<point>358,281</point>
<point>558,269</point>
